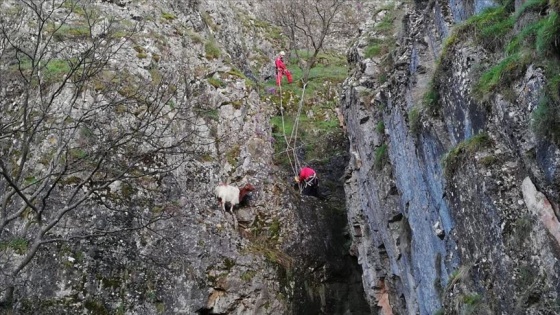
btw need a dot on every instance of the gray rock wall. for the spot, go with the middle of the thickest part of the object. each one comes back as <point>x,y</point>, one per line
<point>430,241</point>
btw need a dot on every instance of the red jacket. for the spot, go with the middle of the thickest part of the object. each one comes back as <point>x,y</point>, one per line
<point>280,66</point>
<point>305,173</point>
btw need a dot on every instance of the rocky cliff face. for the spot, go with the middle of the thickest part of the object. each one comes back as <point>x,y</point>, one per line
<point>148,236</point>
<point>453,198</point>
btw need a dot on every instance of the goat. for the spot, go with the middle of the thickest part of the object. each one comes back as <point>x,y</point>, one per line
<point>233,195</point>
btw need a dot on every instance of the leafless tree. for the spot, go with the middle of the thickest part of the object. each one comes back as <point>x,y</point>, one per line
<point>310,23</point>
<point>78,132</point>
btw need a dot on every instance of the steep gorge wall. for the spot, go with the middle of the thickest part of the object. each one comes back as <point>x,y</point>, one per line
<point>436,232</point>
<point>290,254</point>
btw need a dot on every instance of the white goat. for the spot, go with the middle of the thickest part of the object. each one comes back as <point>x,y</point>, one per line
<point>227,193</point>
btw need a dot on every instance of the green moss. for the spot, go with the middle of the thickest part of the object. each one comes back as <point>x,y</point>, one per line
<point>463,150</point>
<point>211,114</point>
<point>380,128</point>
<point>215,82</point>
<point>78,153</point>
<point>489,160</point>
<point>56,68</point>
<point>386,26</point>
<point>471,299</point>
<point>237,104</point>
<point>274,229</point>
<point>168,16</point>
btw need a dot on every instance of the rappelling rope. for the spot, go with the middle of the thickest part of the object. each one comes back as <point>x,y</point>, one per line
<point>295,165</point>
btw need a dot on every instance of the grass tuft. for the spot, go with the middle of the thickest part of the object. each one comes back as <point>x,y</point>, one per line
<point>464,150</point>
<point>212,50</point>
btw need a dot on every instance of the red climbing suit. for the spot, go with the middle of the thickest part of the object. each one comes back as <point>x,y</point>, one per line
<point>281,70</point>
<point>306,173</point>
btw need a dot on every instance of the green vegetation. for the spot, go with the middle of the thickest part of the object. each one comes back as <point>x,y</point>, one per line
<point>96,307</point>
<point>212,50</point>
<point>376,48</point>
<point>18,245</point>
<point>331,70</point>
<point>195,37</point>
<point>54,70</point>
<point>69,32</point>
<point>315,133</point>
<point>380,128</point>
<point>215,82</point>
<point>209,21</point>
<point>535,39</point>
<point>472,304</point>
<point>501,75</point>
<point>248,275</point>
<point>544,119</point>
<point>431,99</point>
<point>453,159</point>
<point>381,156</point>
<point>168,16</point>
<point>274,229</point>
<point>312,135</point>
<point>229,263</point>
<point>74,7</point>
<point>415,119</point>
<point>233,154</point>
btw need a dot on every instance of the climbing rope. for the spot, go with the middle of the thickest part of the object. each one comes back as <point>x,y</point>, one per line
<point>291,148</point>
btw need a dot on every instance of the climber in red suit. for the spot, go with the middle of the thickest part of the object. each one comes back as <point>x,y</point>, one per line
<point>281,69</point>
<point>309,182</point>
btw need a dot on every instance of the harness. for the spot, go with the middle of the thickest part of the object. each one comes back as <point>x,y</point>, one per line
<point>309,181</point>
